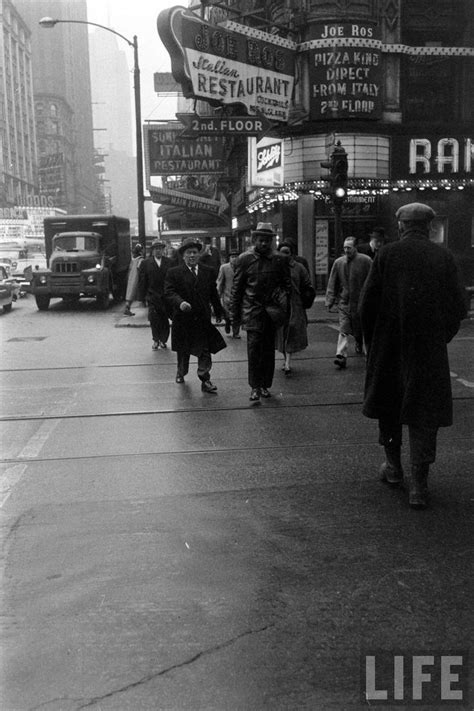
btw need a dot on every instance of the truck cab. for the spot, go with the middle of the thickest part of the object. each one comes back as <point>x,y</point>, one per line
<point>87,257</point>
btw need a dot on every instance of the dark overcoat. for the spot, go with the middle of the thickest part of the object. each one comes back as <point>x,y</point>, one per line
<point>192,331</point>
<point>256,276</point>
<point>411,306</point>
<point>151,281</point>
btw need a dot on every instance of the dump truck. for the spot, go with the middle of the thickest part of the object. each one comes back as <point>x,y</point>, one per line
<point>87,256</point>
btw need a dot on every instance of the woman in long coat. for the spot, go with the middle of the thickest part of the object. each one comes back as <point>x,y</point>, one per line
<point>292,337</point>
<point>132,282</point>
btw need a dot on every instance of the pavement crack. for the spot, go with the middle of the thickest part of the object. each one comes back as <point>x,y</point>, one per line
<point>178,665</point>
<point>53,701</point>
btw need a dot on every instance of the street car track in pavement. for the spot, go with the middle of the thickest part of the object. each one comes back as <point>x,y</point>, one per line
<point>139,413</point>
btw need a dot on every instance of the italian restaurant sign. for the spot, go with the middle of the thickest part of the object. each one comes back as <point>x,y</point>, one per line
<point>228,67</point>
<point>167,153</point>
<point>345,72</point>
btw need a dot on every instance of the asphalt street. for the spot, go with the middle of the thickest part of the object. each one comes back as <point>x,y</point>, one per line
<point>167,549</point>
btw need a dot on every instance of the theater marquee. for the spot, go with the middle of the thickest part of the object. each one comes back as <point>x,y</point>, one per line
<point>228,67</point>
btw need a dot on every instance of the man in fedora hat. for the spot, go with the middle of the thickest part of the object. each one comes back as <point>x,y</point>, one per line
<point>210,256</point>
<point>376,240</point>
<point>259,275</point>
<point>190,291</point>
<point>411,306</point>
<point>151,287</point>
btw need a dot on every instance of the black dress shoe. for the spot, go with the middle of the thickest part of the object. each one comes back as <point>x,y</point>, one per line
<point>255,395</point>
<point>162,345</point>
<point>264,392</point>
<point>208,387</point>
<point>179,379</point>
<point>340,361</point>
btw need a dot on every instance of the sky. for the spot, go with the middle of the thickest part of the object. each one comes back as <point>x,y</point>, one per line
<point>138,17</point>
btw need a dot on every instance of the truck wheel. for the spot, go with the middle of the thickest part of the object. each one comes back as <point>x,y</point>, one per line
<point>7,308</point>
<point>42,302</point>
<point>103,301</point>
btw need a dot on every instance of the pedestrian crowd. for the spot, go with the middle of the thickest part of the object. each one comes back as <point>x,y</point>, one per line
<point>401,302</point>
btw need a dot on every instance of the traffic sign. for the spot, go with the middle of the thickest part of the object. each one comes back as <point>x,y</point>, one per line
<point>223,125</point>
<point>167,196</point>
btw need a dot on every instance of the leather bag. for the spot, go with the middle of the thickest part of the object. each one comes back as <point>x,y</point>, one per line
<point>308,296</point>
<point>277,307</point>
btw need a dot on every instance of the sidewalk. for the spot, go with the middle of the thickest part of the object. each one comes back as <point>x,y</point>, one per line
<point>316,314</point>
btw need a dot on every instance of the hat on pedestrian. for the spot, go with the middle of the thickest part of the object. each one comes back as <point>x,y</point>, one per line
<point>158,243</point>
<point>188,243</point>
<point>287,244</point>
<point>137,250</point>
<point>415,211</point>
<point>377,232</point>
<point>264,228</point>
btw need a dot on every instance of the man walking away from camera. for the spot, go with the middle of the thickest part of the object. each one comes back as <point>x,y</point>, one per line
<point>410,308</point>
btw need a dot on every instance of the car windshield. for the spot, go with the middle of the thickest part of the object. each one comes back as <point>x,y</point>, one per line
<point>74,243</point>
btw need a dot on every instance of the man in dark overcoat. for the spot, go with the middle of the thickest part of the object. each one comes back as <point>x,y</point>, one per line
<point>258,273</point>
<point>151,289</point>
<point>190,291</point>
<point>376,240</point>
<point>411,307</point>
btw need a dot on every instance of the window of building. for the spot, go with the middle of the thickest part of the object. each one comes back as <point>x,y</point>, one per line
<point>430,88</point>
<point>431,84</point>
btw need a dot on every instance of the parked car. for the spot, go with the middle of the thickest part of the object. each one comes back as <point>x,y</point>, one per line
<point>6,291</point>
<point>15,283</point>
<point>6,264</point>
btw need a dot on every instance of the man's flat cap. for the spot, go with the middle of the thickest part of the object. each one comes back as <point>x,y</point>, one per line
<point>415,211</point>
<point>158,243</point>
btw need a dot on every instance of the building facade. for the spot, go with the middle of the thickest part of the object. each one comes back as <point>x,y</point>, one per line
<point>62,91</point>
<point>112,112</point>
<point>18,157</point>
<point>392,81</point>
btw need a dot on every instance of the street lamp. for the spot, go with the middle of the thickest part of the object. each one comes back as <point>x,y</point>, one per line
<point>49,22</point>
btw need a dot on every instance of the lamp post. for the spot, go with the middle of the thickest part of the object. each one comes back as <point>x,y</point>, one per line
<point>49,22</point>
